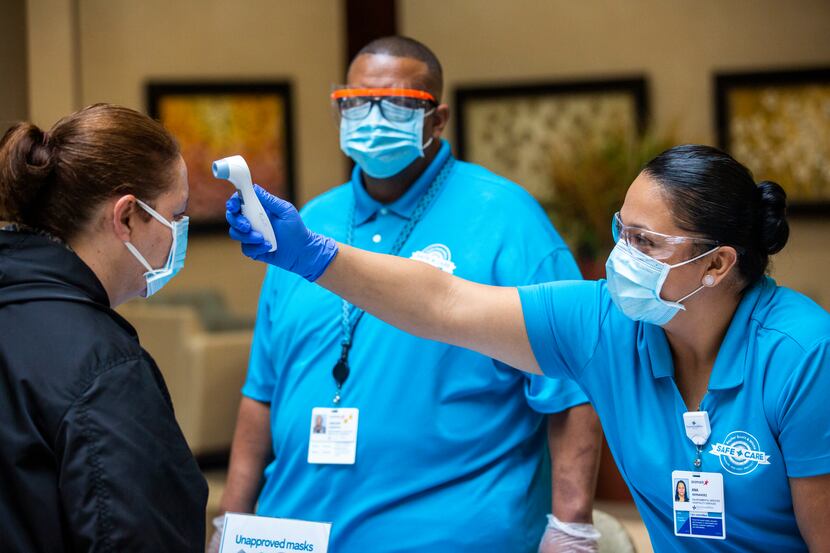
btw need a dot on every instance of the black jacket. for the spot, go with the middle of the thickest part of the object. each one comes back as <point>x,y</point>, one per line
<point>91,456</point>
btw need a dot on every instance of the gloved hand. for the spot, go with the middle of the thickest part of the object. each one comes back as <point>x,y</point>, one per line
<point>298,249</point>
<point>216,539</point>
<point>569,537</point>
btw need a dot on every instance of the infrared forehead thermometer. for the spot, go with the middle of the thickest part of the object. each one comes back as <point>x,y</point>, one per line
<point>236,170</point>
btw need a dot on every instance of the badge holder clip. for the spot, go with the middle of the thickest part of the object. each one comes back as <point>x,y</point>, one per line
<point>698,431</point>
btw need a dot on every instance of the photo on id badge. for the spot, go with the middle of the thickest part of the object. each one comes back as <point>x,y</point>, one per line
<point>333,436</point>
<point>319,426</point>
<point>698,503</point>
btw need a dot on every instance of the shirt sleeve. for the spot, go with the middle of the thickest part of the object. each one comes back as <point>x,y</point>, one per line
<point>563,322</point>
<point>545,394</point>
<point>127,479</point>
<point>803,401</point>
<point>260,380</point>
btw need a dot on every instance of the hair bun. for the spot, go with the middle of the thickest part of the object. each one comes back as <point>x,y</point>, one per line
<point>773,227</point>
<point>27,162</point>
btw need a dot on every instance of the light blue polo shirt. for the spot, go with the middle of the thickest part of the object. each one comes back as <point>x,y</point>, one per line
<point>767,394</point>
<point>451,444</point>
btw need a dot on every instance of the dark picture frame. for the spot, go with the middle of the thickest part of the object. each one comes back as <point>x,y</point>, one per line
<point>212,120</point>
<point>776,122</point>
<point>530,97</point>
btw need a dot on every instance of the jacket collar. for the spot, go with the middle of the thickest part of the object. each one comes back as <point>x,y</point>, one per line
<point>34,266</point>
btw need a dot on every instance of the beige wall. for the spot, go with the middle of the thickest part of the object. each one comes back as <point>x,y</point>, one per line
<point>124,43</point>
<point>52,27</point>
<point>84,51</point>
<point>13,101</point>
<point>678,44</point>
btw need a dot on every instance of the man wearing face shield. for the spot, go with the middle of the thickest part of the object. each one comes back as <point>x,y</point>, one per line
<point>449,447</point>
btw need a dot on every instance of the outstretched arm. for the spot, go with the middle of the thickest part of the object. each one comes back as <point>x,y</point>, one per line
<point>432,304</point>
<point>410,295</point>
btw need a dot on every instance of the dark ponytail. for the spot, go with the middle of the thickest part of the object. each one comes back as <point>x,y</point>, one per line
<point>26,169</point>
<point>773,228</point>
<point>55,181</point>
<point>713,195</point>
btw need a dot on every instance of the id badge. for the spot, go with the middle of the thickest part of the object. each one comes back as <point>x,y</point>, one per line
<point>333,436</point>
<point>698,505</point>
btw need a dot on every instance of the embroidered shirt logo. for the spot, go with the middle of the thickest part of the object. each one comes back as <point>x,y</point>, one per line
<point>740,453</point>
<point>437,255</point>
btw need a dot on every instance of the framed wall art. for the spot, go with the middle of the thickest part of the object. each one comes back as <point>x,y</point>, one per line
<point>215,120</point>
<point>575,146</point>
<point>517,130</point>
<point>777,123</point>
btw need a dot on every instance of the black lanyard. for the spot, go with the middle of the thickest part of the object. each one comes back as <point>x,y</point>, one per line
<point>351,315</point>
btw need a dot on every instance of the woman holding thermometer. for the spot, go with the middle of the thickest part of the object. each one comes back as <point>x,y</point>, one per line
<point>700,367</point>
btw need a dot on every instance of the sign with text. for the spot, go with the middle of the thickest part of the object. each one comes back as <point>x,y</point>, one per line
<point>254,534</point>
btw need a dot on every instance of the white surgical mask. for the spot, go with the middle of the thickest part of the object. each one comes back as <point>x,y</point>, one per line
<point>635,281</point>
<point>156,278</point>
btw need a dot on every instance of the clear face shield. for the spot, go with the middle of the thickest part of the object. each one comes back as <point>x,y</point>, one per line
<point>396,104</point>
<point>382,129</point>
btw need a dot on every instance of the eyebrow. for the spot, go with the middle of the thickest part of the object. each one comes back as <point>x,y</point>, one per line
<point>643,227</point>
<point>636,224</point>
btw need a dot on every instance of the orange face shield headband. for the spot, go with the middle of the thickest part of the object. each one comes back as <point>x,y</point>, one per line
<point>346,93</point>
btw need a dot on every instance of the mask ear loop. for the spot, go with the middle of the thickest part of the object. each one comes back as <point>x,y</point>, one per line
<point>426,144</point>
<point>687,296</point>
<point>138,256</point>
<point>426,114</point>
<point>156,215</point>
<point>706,279</point>
<point>160,218</point>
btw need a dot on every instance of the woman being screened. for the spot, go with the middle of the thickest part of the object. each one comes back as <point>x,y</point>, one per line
<point>92,458</point>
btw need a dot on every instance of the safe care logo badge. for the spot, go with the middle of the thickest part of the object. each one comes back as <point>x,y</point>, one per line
<point>437,255</point>
<point>740,453</point>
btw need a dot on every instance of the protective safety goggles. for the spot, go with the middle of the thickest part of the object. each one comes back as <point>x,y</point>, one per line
<point>654,244</point>
<point>396,104</point>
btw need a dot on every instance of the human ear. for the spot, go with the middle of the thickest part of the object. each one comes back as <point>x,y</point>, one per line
<point>720,265</point>
<point>123,213</point>
<point>440,118</point>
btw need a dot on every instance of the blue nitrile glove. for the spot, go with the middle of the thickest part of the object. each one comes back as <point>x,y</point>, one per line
<point>299,250</point>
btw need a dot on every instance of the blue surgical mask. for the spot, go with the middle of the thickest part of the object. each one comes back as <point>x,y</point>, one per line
<point>635,281</point>
<point>156,278</point>
<point>380,147</point>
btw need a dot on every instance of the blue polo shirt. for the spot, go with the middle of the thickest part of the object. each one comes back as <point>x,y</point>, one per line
<point>451,444</point>
<point>767,404</point>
